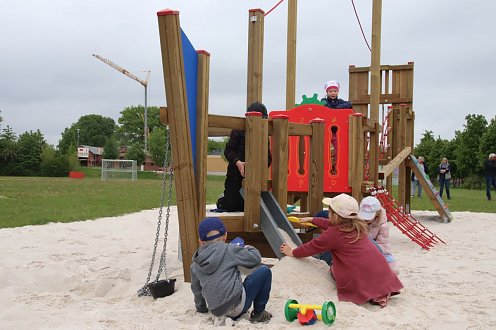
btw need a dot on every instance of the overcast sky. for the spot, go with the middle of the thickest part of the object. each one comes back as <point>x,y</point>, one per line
<point>48,78</point>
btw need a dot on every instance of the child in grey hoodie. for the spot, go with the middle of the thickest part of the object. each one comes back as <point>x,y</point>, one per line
<point>216,280</point>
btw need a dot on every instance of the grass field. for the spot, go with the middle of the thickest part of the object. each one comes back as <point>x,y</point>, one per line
<point>36,200</point>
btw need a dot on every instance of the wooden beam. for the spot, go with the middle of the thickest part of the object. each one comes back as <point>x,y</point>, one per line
<point>177,116</point>
<point>202,130</point>
<point>255,55</point>
<point>280,156</point>
<point>316,167</point>
<point>253,170</point>
<point>291,55</point>
<point>389,168</point>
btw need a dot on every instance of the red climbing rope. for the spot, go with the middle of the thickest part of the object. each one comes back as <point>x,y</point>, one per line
<point>360,24</point>
<point>405,222</point>
<point>277,4</point>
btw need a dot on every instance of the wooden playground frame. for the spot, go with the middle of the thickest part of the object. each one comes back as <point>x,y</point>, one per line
<point>395,84</point>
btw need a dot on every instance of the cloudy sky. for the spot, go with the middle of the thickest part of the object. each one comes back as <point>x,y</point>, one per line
<point>48,78</point>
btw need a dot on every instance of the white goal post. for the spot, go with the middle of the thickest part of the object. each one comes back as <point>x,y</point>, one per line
<point>119,169</point>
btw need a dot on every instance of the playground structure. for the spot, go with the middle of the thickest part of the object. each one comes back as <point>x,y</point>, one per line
<point>303,163</point>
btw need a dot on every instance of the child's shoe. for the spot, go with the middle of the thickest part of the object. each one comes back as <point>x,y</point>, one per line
<point>262,317</point>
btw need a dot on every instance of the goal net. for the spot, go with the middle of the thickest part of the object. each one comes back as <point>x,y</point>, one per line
<point>119,169</point>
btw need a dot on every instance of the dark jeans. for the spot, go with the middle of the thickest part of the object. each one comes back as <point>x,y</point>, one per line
<point>442,183</point>
<point>490,181</point>
<point>257,287</point>
<point>232,200</point>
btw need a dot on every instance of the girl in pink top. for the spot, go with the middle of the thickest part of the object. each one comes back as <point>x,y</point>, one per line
<point>360,270</point>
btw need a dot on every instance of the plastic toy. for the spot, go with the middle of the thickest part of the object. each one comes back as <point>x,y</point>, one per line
<point>306,314</point>
<point>296,220</point>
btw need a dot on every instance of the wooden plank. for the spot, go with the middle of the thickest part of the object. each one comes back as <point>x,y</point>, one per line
<point>264,178</point>
<point>163,116</point>
<point>255,55</point>
<point>397,160</point>
<point>175,89</point>
<point>291,55</point>
<point>280,156</point>
<point>253,170</point>
<point>218,132</point>
<point>228,122</point>
<point>299,129</point>
<point>202,131</point>
<point>402,193</point>
<point>384,99</point>
<point>400,67</point>
<point>316,168</point>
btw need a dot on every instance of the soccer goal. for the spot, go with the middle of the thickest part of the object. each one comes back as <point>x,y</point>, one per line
<point>113,169</point>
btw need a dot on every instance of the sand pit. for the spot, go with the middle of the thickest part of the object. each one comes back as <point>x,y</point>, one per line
<point>85,275</point>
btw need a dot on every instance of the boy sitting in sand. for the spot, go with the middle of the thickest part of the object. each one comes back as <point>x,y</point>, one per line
<point>375,215</point>
<point>216,280</point>
<point>359,269</point>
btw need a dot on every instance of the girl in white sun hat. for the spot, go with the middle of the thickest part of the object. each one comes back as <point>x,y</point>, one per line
<point>375,215</point>
<point>359,269</point>
<point>332,100</point>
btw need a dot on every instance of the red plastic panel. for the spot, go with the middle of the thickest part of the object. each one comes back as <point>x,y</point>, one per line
<point>335,177</point>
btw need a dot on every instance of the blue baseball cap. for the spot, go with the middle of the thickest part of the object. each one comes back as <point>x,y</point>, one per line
<point>211,224</point>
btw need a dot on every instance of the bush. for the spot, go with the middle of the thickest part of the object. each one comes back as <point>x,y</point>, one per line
<point>56,166</point>
<point>473,182</point>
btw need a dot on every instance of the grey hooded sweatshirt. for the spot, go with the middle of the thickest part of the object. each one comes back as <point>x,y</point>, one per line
<point>215,277</point>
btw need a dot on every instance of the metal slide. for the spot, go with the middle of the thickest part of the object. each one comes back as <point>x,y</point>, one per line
<point>273,218</point>
<point>430,190</point>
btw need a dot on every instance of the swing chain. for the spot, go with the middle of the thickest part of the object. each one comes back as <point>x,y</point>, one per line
<point>145,291</point>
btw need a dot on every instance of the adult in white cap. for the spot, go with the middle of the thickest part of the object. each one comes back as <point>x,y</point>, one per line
<point>490,174</point>
<point>360,270</point>
<point>375,215</point>
<point>332,100</point>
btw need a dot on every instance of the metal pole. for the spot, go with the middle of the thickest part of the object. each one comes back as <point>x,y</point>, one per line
<point>77,138</point>
<point>146,118</point>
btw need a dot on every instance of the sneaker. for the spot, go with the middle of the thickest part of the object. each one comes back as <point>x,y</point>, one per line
<point>262,317</point>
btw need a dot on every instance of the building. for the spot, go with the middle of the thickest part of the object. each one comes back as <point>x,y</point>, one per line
<point>89,156</point>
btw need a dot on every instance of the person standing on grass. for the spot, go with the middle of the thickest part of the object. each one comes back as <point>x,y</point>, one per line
<point>444,172</point>
<point>415,181</point>
<point>490,174</point>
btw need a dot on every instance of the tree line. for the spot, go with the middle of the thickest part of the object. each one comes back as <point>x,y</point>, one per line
<point>466,152</point>
<point>30,155</point>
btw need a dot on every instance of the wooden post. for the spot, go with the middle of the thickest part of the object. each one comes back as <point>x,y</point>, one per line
<point>390,140</point>
<point>264,178</point>
<point>316,166</point>
<point>253,170</point>
<point>255,56</point>
<point>177,116</point>
<point>403,194</point>
<point>291,55</point>
<point>358,144</point>
<point>375,88</point>
<point>409,118</point>
<point>280,143</point>
<point>202,130</point>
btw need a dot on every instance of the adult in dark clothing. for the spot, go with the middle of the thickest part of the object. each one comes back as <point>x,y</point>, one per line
<point>444,171</point>
<point>232,200</point>
<point>490,174</point>
<point>331,100</point>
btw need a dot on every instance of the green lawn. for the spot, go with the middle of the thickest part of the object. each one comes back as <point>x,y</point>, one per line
<point>36,200</point>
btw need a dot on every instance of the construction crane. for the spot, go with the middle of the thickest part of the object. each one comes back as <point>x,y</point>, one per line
<point>144,83</point>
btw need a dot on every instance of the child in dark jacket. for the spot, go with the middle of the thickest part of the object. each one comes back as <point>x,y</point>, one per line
<point>232,200</point>
<point>216,280</point>
<point>331,100</point>
<point>360,270</point>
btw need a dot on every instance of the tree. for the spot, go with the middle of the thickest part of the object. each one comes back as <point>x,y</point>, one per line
<point>8,151</point>
<point>216,147</point>
<point>433,150</point>
<point>94,130</point>
<point>111,150</point>
<point>136,152</point>
<point>488,141</point>
<point>54,164</point>
<point>156,145</point>
<point>30,148</point>
<point>467,146</point>
<point>132,123</point>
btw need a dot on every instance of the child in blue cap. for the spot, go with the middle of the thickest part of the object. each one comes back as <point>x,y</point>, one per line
<point>216,280</point>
